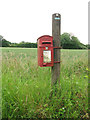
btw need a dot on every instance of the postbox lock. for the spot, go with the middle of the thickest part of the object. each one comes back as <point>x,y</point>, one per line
<point>46,48</point>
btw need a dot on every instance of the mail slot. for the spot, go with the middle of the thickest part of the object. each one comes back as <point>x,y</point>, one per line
<point>45,51</point>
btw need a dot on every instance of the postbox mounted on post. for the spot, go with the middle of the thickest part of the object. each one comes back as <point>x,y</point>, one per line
<point>45,51</point>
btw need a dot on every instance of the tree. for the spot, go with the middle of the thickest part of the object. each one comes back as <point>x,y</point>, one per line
<point>75,42</point>
<point>5,43</point>
<point>71,42</point>
<point>1,37</point>
<point>65,40</point>
<point>88,46</point>
<point>27,45</point>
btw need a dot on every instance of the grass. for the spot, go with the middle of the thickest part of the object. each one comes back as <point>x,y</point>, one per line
<point>26,87</point>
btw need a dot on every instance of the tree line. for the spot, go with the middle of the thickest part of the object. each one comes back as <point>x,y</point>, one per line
<point>5,43</point>
<point>67,41</point>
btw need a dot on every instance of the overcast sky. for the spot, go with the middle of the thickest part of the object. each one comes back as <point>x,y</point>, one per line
<point>26,20</point>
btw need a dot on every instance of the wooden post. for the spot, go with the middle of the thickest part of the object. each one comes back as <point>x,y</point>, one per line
<point>55,70</point>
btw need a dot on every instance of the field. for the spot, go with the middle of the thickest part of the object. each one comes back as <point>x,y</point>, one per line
<point>26,87</point>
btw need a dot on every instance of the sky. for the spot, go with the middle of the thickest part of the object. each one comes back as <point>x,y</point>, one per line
<point>26,20</point>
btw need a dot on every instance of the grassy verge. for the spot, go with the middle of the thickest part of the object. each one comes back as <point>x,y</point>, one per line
<point>26,87</point>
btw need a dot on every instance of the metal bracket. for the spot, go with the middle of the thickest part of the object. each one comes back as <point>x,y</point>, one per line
<point>57,61</point>
<point>51,47</point>
<point>57,47</point>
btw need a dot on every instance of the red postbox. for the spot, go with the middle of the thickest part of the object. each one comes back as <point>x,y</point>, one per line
<point>45,51</point>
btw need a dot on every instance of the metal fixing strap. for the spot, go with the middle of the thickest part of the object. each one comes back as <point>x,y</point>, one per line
<point>57,47</point>
<point>57,61</point>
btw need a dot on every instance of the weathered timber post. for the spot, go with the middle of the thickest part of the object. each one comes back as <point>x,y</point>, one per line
<point>56,30</point>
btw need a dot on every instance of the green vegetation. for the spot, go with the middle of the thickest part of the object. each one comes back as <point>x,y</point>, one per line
<point>24,45</point>
<point>67,42</point>
<point>88,46</point>
<point>26,87</point>
<point>5,43</point>
<point>71,42</point>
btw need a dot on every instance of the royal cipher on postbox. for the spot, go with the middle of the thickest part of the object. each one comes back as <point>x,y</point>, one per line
<point>45,51</point>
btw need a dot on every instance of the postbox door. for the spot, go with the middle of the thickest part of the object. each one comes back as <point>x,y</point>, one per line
<point>47,58</point>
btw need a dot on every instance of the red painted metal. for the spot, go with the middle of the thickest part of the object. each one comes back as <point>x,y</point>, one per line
<point>57,61</point>
<point>57,47</point>
<point>45,44</point>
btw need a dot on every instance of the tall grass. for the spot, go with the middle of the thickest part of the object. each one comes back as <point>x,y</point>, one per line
<point>0,83</point>
<point>26,87</point>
